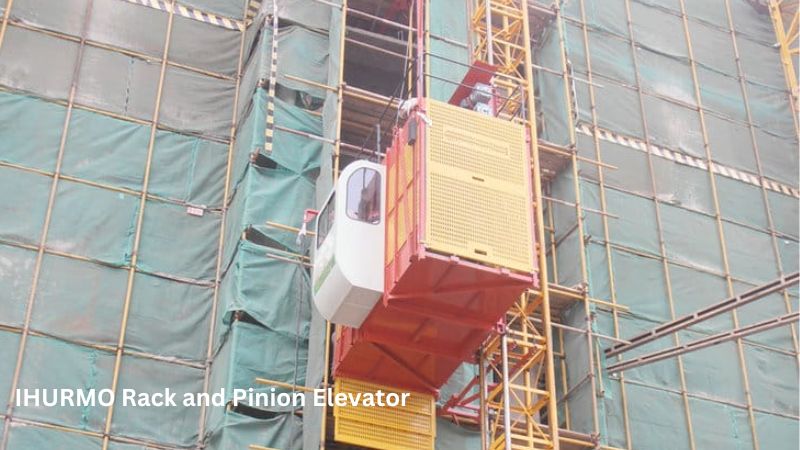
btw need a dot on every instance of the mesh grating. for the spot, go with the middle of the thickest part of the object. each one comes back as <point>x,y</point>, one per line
<point>391,173</point>
<point>484,146</point>
<point>400,172</point>
<point>478,192</point>
<point>412,426</point>
<point>478,219</point>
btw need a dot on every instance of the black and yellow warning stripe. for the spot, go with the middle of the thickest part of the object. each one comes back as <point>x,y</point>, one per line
<point>203,16</point>
<point>687,160</point>
<point>269,130</point>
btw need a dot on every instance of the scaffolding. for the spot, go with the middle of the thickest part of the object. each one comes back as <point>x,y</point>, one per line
<point>150,194</point>
<point>596,247</point>
<point>591,57</point>
<point>52,249</point>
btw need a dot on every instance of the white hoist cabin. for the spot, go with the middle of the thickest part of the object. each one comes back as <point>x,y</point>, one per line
<point>349,259</point>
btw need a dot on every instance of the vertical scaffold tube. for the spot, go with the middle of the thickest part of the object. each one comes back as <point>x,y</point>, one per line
<point>506,393</point>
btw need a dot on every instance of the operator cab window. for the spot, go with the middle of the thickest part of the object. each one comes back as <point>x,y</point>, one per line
<point>325,221</point>
<point>364,196</point>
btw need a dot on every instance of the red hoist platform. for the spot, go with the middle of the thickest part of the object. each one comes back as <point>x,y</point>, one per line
<point>452,205</point>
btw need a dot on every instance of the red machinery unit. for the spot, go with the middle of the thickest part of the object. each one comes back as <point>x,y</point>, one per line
<point>459,247</point>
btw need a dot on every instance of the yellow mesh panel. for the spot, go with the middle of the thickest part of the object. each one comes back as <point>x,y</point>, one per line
<point>407,207</point>
<point>478,192</point>
<point>401,206</point>
<point>390,223</point>
<point>408,427</point>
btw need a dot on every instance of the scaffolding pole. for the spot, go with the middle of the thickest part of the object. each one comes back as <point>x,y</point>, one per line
<point>336,162</point>
<point>219,264</point>
<point>718,216</point>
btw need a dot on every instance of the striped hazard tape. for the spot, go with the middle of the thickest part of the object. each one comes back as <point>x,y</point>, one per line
<point>682,158</point>
<point>252,8</point>
<point>269,130</point>
<point>203,16</point>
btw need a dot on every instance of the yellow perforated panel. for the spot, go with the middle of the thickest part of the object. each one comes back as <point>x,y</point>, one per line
<point>478,190</point>
<point>391,173</point>
<point>410,427</point>
<point>401,198</point>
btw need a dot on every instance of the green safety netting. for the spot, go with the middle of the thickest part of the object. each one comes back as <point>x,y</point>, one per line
<point>263,307</point>
<point>759,226</point>
<point>450,56</point>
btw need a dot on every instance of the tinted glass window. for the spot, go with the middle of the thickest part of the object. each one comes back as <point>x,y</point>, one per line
<point>364,196</point>
<point>325,221</point>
